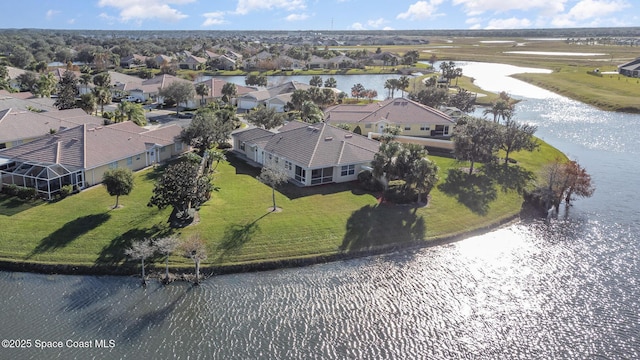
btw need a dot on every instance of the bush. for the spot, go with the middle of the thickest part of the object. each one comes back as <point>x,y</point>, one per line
<point>368,181</point>
<point>11,189</point>
<point>224,146</point>
<point>399,193</point>
<point>65,191</point>
<point>26,193</point>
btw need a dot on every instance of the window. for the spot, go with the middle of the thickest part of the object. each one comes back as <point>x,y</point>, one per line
<point>407,127</point>
<point>178,146</point>
<point>277,159</point>
<point>129,161</point>
<point>347,170</point>
<point>242,146</point>
<point>287,165</point>
<point>424,127</point>
<point>301,174</point>
<point>321,176</point>
<point>162,149</point>
<point>113,165</point>
<point>3,145</point>
<point>367,126</point>
<point>137,157</point>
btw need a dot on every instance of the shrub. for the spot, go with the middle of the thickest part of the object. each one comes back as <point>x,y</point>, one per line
<point>25,193</point>
<point>368,181</point>
<point>65,191</point>
<point>399,193</point>
<point>224,146</point>
<point>11,189</point>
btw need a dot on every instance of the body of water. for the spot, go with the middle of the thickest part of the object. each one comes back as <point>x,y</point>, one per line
<point>533,290</point>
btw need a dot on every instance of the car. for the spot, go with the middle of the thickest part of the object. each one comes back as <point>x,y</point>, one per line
<point>131,99</point>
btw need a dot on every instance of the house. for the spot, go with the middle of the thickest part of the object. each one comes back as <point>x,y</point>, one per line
<point>631,69</point>
<point>25,101</point>
<point>80,156</point>
<point>192,62</point>
<point>317,62</point>
<point>253,99</point>
<point>133,61</point>
<point>150,89</point>
<point>413,118</point>
<point>19,126</point>
<point>215,88</point>
<point>310,154</point>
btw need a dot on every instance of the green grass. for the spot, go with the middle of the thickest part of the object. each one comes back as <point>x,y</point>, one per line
<point>83,229</point>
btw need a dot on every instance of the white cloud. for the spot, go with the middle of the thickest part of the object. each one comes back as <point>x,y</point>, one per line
<point>357,26</point>
<point>247,6</point>
<point>297,17</point>
<point>213,18</point>
<point>588,9</point>
<point>71,21</point>
<point>51,13</point>
<point>376,23</point>
<point>477,7</point>
<point>388,28</point>
<point>138,10</point>
<point>421,10</point>
<point>511,23</point>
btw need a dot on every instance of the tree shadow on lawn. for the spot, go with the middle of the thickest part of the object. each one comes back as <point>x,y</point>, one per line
<point>509,177</point>
<point>69,232</point>
<point>11,205</point>
<point>113,253</point>
<point>235,236</point>
<point>379,225</point>
<point>475,191</point>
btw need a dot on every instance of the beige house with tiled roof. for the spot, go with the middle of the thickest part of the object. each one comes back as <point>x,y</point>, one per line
<point>215,88</point>
<point>413,118</point>
<point>80,156</point>
<point>311,154</point>
<point>22,126</point>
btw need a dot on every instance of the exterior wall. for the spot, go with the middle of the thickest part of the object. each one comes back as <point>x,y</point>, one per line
<point>94,176</point>
<point>279,107</point>
<point>246,104</point>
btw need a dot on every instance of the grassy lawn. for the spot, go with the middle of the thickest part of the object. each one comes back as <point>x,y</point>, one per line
<point>83,229</point>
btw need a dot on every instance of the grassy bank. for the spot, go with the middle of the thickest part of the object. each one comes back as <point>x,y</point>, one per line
<point>237,224</point>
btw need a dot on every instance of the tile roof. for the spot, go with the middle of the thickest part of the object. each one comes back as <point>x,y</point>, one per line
<point>395,111</point>
<point>89,146</point>
<point>321,145</point>
<point>215,87</point>
<point>24,124</point>
<point>24,100</point>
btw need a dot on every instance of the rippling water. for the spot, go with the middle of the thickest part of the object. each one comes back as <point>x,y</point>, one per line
<point>563,289</point>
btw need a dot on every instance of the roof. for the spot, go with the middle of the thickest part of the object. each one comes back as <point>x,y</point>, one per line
<point>314,146</point>
<point>395,111</point>
<point>215,87</point>
<point>23,124</point>
<point>24,100</point>
<point>89,146</point>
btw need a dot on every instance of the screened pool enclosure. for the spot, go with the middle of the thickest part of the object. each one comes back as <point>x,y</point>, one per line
<point>46,178</point>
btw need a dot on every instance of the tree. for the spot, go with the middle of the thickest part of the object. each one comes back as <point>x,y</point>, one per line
<point>391,85</point>
<point>21,57</point>
<point>118,182</point>
<point>131,112</point>
<point>357,90</point>
<point>331,83</point>
<point>579,181</point>
<point>423,175</point>
<point>28,81</point>
<point>207,128</point>
<point>298,97</point>
<point>255,79</point>
<point>179,92</point>
<point>229,91</point>
<point>383,162</point>
<point>67,91</point>
<point>273,176</point>
<point>88,103</point>
<point>265,117</point>
<point>370,94</point>
<point>102,80</point>
<point>184,187</point>
<point>311,113</point>
<point>431,96</point>
<point>463,100</point>
<point>46,85</point>
<point>561,180</point>
<point>516,137</point>
<point>475,140</point>
<point>165,246</point>
<point>316,80</point>
<point>403,83</point>
<point>500,109</point>
<point>102,96</point>
<point>195,249</point>
<point>4,79</point>
<point>140,250</point>
<point>202,90</point>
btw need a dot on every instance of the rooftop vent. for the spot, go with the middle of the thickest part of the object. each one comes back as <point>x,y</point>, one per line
<point>348,136</point>
<point>328,138</point>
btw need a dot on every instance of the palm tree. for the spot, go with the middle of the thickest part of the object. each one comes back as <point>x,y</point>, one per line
<point>132,112</point>
<point>390,87</point>
<point>331,83</point>
<point>202,89</point>
<point>403,83</point>
<point>229,91</point>
<point>102,96</point>
<point>500,109</point>
<point>423,175</point>
<point>88,103</point>
<point>311,113</point>
<point>357,90</point>
<point>316,80</point>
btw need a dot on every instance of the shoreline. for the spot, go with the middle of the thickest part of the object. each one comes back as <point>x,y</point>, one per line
<point>180,273</point>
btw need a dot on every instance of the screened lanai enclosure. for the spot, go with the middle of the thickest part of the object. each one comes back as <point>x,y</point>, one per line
<point>46,178</point>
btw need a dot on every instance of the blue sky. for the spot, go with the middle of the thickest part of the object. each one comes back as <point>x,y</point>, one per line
<point>317,14</point>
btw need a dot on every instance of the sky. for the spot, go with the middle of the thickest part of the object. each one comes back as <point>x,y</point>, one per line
<point>317,14</point>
